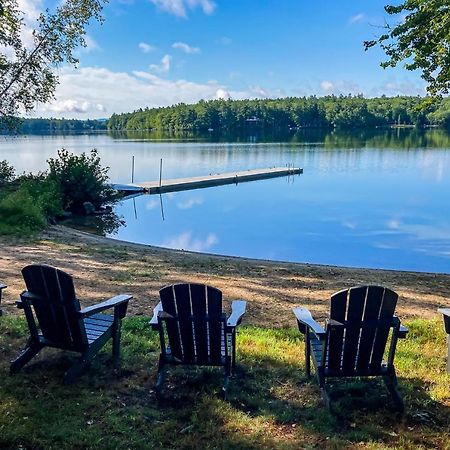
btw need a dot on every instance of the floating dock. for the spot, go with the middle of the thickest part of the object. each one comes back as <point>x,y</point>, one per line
<point>184,184</point>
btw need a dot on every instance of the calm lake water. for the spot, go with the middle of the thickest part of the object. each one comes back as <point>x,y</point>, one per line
<point>377,199</point>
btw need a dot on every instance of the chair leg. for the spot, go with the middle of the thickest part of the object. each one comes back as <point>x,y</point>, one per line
<point>228,371</point>
<point>323,390</point>
<point>233,350</point>
<point>307,355</point>
<point>25,356</point>
<point>392,386</point>
<point>224,393</point>
<point>161,376</point>
<point>77,369</point>
<point>116,342</point>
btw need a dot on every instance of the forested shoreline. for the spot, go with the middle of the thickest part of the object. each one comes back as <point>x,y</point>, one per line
<point>274,115</point>
<point>287,113</point>
<point>41,125</point>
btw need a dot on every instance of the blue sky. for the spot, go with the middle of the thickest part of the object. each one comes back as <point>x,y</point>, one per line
<point>161,52</point>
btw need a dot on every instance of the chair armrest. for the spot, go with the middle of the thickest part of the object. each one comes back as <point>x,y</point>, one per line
<point>26,297</point>
<point>446,313</point>
<point>154,322</point>
<point>113,302</point>
<point>238,308</point>
<point>331,323</point>
<point>402,330</point>
<point>305,320</point>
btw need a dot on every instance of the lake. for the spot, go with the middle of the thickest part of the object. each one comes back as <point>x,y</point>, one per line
<point>374,199</point>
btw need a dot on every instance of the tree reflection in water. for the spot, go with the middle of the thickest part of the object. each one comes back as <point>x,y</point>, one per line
<point>102,224</point>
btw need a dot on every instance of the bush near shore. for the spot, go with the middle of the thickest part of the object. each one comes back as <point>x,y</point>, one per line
<point>30,201</point>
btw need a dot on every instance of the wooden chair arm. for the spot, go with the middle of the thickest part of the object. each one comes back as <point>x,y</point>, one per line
<point>238,308</point>
<point>113,302</point>
<point>402,330</point>
<point>26,297</point>
<point>305,320</point>
<point>154,322</point>
<point>446,313</point>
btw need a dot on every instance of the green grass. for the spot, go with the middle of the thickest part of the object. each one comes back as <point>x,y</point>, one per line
<point>271,404</point>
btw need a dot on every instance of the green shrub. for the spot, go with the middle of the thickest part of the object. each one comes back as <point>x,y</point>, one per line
<point>46,195</point>
<point>6,172</point>
<point>20,214</point>
<point>80,178</point>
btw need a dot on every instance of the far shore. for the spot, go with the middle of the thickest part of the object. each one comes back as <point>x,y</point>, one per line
<point>103,267</point>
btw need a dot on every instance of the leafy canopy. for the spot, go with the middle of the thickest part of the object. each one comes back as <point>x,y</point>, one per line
<point>27,69</point>
<point>421,40</point>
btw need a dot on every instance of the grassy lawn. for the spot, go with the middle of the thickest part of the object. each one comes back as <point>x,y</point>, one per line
<point>271,404</point>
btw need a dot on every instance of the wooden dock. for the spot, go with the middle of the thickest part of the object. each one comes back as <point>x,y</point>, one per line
<point>184,184</point>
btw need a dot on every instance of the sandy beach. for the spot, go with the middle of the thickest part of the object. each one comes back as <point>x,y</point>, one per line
<point>103,267</point>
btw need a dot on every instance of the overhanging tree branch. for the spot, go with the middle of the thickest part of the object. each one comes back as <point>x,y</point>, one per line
<point>27,75</point>
<point>420,40</point>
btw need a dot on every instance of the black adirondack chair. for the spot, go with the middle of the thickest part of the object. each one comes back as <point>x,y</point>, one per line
<point>190,316</point>
<point>55,319</point>
<point>2,286</point>
<point>354,339</point>
<point>446,315</point>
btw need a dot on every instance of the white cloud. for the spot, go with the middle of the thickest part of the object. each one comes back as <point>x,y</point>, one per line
<point>179,7</point>
<point>185,47</point>
<point>339,87</point>
<point>31,10</point>
<point>349,224</point>
<point>395,87</point>
<point>224,40</point>
<point>185,241</point>
<point>222,94</point>
<point>151,204</point>
<point>189,203</point>
<point>91,45</point>
<point>146,48</point>
<point>74,106</point>
<point>357,18</point>
<point>86,92</point>
<point>393,224</point>
<point>327,86</point>
<point>260,92</point>
<point>164,65</point>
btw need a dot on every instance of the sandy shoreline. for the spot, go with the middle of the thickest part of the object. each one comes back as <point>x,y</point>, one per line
<point>104,267</point>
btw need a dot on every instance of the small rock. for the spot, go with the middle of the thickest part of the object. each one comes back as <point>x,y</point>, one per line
<point>89,208</point>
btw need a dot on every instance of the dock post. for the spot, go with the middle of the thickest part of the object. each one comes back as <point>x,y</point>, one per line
<point>132,169</point>
<point>160,172</point>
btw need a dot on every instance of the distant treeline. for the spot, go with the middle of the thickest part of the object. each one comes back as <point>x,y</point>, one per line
<point>286,113</point>
<point>60,125</point>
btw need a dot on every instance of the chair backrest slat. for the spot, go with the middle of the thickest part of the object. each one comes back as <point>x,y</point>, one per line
<point>195,330</point>
<point>199,311</point>
<point>215,324</point>
<point>183,303</point>
<point>386,312</point>
<point>356,303</point>
<point>56,306</point>
<point>371,313</point>
<point>167,296</point>
<point>338,310</point>
<point>358,346</point>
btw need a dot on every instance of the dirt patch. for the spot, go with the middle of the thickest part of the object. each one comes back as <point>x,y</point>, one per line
<point>103,267</point>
